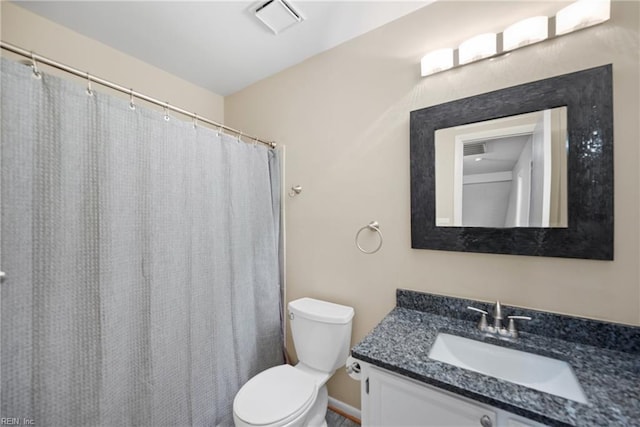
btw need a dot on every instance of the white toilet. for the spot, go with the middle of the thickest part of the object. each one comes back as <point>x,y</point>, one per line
<point>294,396</point>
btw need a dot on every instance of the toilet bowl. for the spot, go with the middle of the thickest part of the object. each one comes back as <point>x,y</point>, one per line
<point>279,396</point>
<point>292,396</point>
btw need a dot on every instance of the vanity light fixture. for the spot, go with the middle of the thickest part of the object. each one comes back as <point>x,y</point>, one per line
<point>478,47</point>
<point>578,15</point>
<point>582,14</point>
<point>436,61</point>
<point>525,32</point>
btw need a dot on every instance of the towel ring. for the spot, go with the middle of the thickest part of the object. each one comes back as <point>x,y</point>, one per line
<point>373,226</point>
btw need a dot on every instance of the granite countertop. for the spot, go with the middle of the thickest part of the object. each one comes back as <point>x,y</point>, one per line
<point>610,378</point>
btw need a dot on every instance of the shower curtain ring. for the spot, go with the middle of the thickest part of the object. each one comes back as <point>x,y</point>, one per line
<point>34,66</point>
<point>132,105</point>
<point>166,111</point>
<point>195,120</point>
<point>219,131</point>
<point>239,138</point>
<point>89,90</point>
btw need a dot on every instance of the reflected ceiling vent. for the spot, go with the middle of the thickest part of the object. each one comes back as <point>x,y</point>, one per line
<point>278,15</point>
<point>474,148</point>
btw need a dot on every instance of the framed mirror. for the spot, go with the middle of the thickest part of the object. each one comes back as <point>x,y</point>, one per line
<point>544,183</point>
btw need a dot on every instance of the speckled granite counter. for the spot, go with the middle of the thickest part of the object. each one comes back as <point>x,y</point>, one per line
<point>605,358</point>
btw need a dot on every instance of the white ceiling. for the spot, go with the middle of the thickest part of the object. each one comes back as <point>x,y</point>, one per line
<point>501,156</point>
<point>219,45</point>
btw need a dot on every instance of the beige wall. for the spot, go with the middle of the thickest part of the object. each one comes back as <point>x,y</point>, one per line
<point>344,118</point>
<point>34,33</point>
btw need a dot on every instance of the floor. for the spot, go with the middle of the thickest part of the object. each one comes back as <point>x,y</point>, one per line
<point>336,420</point>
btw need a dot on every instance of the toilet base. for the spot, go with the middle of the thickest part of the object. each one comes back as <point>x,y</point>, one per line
<point>317,414</point>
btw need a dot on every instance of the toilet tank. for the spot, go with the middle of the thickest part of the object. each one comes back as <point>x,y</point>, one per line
<point>321,332</point>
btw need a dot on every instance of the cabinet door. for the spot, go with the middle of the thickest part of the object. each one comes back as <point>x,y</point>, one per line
<point>398,401</point>
<point>511,420</point>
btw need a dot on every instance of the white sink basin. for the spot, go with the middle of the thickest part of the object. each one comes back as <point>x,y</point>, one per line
<point>527,369</point>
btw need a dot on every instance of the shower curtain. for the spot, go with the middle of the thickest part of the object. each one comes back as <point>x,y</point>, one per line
<point>141,256</point>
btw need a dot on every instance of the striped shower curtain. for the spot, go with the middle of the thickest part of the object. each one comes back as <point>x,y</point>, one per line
<point>141,257</point>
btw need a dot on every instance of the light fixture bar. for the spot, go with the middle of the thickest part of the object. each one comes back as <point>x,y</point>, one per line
<point>578,15</point>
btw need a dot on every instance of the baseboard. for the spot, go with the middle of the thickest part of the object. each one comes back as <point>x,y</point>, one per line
<point>345,410</point>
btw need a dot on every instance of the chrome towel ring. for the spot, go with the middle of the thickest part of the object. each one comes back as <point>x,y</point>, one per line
<point>373,226</point>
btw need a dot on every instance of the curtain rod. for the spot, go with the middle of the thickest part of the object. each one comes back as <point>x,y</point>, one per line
<point>41,59</point>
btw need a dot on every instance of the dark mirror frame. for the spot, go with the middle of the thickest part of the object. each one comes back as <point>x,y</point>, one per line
<point>588,96</point>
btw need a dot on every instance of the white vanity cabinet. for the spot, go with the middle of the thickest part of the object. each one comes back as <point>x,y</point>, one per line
<point>389,399</point>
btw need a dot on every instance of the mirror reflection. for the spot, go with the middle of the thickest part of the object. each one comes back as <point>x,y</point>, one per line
<point>507,172</point>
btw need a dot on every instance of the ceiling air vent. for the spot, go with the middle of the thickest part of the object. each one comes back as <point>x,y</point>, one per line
<point>474,148</point>
<point>278,15</point>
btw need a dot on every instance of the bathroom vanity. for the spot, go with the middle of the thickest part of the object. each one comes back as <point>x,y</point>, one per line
<point>403,386</point>
<point>390,399</point>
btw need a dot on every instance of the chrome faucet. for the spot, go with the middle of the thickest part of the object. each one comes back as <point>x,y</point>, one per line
<point>497,328</point>
<point>497,317</point>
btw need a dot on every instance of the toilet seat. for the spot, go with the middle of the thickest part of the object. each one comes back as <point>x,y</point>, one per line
<point>275,396</point>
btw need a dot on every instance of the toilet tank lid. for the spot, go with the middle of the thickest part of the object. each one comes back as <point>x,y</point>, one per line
<point>321,311</point>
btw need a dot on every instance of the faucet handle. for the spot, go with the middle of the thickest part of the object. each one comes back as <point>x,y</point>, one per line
<point>482,324</point>
<point>512,325</point>
<point>478,310</point>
